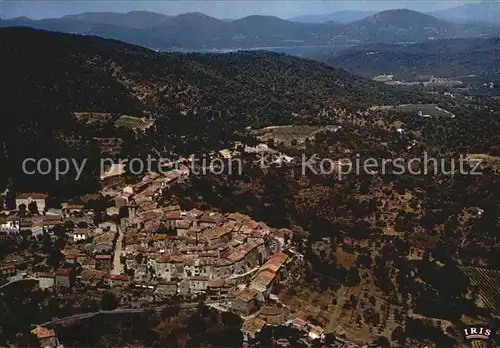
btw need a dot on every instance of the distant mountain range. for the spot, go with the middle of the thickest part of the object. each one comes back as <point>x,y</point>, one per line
<point>198,31</point>
<point>448,58</point>
<point>340,17</point>
<point>486,11</point>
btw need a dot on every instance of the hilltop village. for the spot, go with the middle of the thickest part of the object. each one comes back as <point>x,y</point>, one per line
<point>229,261</point>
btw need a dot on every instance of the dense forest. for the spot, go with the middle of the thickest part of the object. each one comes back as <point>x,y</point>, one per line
<point>50,76</point>
<point>459,58</point>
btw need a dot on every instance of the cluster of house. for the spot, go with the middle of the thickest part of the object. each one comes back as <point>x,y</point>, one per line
<point>193,252</point>
<point>31,214</point>
<point>230,258</point>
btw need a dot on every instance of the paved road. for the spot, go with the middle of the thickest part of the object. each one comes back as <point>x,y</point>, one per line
<point>16,281</point>
<point>82,316</point>
<point>117,265</point>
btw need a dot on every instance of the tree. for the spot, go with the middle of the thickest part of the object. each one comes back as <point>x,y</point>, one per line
<point>382,342</point>
<point>353,278</point>
<point>398,335</point>
<point>109,301</point>
<point>33,208</point>
<point>22,209</point>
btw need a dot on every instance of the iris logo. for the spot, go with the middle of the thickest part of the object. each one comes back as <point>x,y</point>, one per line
<point>477,333</point>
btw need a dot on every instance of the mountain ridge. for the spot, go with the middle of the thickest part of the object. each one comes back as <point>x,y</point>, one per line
<point>485,11</point>
<point>199,31</point>
<point>338,16</point>
<point>451,58</point>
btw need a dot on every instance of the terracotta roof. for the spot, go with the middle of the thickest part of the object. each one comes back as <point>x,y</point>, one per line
<point>51,217</point>
<point>215,233</point>
<point>299,321</point>
<point>33,195</point>
<point>241,252</point>
<point>207,218</point>
<point>186,223</point>
<point>118,277</point>
<point>45,274</point>
<point>43,333</point>
<point>103,257</point>
<point>71,206</point>
<point>149,215</point>
<point>172,208</point>
<point>172,215</point>
<point>63,272</point>
<point>270,311</point>
<point>253,325</point>
<point>90,196</point>
<point>263,279</point>
<point>238,217</point>
<point>247,295</point>
<point>159,236</point>
<point>88,274</point>
<point>7,267</point>
<point>195,212</point>
<point>199,278</point>
<point>81,231</point>
<point>274,263</point>
<point>215,283</point>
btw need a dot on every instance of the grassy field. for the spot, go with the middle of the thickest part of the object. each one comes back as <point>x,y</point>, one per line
<point>486,160</point>
<point>287,134</point>
<point>93,117</point>
<point>423,110</point>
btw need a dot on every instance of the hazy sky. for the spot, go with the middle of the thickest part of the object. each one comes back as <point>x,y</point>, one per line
<point>221,9</point>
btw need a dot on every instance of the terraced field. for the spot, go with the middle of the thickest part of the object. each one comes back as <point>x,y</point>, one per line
<point>487,282</point>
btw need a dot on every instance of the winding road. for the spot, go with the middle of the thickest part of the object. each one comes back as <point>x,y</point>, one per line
<point>82,316</point>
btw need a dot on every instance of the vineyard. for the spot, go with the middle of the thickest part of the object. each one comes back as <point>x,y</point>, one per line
<point>359,313</point>
<point>131,122</point>
<point>487,283</point>
<point>93,117</point>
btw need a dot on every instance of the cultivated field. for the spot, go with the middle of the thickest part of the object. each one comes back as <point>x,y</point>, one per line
<point>131,122</point>
<point>287,134</point>
<point>423,110</point>
<point>487,283</point>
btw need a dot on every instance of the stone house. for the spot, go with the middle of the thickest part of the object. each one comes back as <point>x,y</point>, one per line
<point>46,337</point>
<point>166,289</point>
<point>46,280</point>
<point>218,289</point>
<point>273,315</point>
<point>27,198</point>
<point>103,262</point>
<point>184,226</point>
<point>197,284</point>
<point>247,301</point>
<point>64,277</point>
<point>91,277</point>
<point>116,280</point>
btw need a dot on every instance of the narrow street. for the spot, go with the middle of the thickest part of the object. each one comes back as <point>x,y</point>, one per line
<point>117,265</point>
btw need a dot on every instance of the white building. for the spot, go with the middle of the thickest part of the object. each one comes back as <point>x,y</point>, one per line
<point>45,280</point>
<point>79,234</point>
<point>27,198</point>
